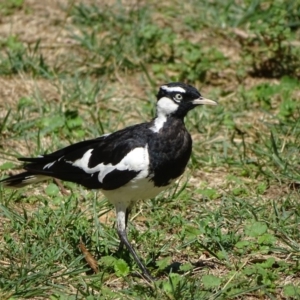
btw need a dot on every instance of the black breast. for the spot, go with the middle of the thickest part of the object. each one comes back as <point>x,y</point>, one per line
<point>169,150</point>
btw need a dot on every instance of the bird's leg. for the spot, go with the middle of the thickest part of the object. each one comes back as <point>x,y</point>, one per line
<point>121,228</point>
<point>121,245</point>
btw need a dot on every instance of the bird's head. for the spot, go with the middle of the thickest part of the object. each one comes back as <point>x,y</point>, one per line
<point>176,99</point>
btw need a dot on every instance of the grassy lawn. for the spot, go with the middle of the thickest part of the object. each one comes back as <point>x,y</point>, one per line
<point>229,228</point>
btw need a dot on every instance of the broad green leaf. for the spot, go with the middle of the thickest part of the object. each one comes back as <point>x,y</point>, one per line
<point>52,189</point>
<point>6,166</point>
<point>256,229</point>
<point>242,244</point>
<point>121,268</point>
<point>266,239</point>
<point>211,281</point>
<point>163,263</point>
<point>108,260</point>
<point>186,267</point>
<point>291,290</point>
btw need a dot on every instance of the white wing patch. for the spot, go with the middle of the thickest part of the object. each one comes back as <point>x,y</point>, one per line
<point>83,162</point>
<point>48,166</point>
<point>173,89</point>
<point>135,160</point>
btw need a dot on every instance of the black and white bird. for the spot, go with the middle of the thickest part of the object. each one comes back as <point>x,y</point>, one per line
<point>135,163</point>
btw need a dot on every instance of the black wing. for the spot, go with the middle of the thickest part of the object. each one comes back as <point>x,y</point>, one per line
<point>80,162</point>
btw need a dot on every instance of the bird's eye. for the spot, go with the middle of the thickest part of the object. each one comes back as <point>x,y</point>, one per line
<point>178,97</point>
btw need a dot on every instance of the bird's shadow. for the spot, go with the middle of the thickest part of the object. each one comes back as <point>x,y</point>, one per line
<point>174,267</point>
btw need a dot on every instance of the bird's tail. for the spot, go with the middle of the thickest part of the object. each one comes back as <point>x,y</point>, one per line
<point>22,179</point>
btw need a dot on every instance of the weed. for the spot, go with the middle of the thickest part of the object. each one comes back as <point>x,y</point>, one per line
<point>229,228</point>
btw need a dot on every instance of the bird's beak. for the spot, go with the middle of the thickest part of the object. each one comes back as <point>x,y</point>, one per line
<point>201,101</point>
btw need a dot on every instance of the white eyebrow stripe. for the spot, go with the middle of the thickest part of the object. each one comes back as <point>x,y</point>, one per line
<point>173,89</point>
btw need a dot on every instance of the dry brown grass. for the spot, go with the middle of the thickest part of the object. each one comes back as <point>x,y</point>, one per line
<point>50,22</point>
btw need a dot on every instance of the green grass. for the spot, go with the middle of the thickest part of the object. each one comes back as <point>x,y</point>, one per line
<point>229,229</point>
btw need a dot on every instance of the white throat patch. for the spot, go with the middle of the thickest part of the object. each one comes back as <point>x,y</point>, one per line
<point>164,107</point>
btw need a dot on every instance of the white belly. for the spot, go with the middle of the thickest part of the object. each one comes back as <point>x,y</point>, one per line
<point>137,189</point>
